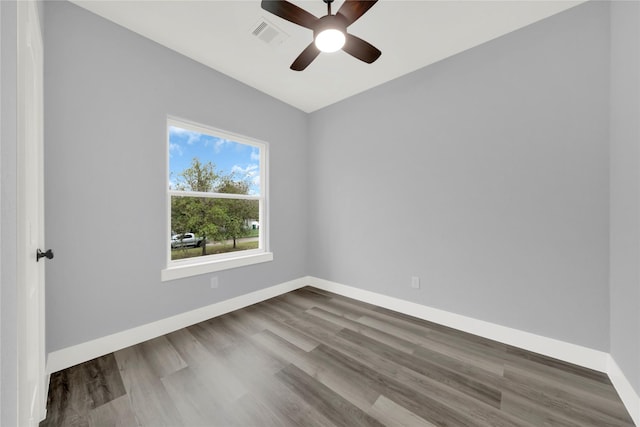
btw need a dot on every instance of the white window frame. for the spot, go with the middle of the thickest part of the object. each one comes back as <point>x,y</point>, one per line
<point>177,269</point>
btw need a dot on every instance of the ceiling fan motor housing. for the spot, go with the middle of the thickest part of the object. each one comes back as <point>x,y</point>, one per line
<point>336,22</point>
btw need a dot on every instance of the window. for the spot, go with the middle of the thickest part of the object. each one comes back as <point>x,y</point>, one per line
<point>217,200</point>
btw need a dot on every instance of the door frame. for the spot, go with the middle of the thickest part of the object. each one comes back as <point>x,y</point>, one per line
<point>32,380</point>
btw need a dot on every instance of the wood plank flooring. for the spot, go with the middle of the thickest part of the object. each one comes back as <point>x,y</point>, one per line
<point>312,358</point>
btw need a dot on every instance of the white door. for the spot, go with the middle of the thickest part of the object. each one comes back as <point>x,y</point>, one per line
<point>31,350</point>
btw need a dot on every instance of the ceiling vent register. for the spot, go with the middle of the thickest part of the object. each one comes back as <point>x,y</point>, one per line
<point>268,33</point>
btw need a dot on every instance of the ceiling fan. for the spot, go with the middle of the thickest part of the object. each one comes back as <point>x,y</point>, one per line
<point>329,32</point>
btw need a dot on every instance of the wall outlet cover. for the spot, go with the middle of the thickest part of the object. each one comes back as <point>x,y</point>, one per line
<point>415,282</point>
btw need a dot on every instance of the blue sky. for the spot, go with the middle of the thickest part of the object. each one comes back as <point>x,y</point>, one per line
<point>228,156</point>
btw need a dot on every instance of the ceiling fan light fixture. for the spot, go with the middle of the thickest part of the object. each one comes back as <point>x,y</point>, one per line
<point>330,40</point>
<point>329,32</point>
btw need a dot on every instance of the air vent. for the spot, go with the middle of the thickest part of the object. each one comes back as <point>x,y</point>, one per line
<point>268,33</point>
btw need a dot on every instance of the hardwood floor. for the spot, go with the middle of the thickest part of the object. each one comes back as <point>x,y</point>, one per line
<point>312,358</point>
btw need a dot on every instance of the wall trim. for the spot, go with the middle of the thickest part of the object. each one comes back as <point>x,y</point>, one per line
<point>573,353</point>
<point>73,355</point>
<point>627,393</point>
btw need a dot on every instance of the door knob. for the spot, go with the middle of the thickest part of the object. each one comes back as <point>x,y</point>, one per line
<point>48,254</point>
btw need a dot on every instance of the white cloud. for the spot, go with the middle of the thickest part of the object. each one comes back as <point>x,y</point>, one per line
<point>250,170</point>
<point>255,154</point>
<point>251,173</point>
<point>219,144</point>
<point>256,181</point>
<point>192,137</point>
<point>175,149</point>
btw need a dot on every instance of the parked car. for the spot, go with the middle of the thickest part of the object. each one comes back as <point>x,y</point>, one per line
<point>185,240</point>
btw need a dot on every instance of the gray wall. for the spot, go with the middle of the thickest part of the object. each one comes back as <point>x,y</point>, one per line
<point>625,188</point>
<point>485,174</point>
<point>8,203</point>
<point>107,94</point>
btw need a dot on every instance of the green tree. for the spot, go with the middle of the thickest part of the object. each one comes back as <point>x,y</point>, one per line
<point>196,215</point>
<point>212,219</point>
<point>198,177</point>
<point>236,212</point>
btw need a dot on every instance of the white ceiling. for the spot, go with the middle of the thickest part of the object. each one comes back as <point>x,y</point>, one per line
<point>410,34</point>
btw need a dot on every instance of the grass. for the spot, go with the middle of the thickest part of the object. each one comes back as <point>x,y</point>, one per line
<point>183,253</point>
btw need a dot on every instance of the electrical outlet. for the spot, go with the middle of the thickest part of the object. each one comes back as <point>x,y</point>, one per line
<point>415,282</point>
<point>214,282</point>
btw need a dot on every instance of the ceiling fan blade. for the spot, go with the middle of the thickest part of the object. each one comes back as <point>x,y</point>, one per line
<point>306,57</point>
<point>290,12</point>
<point>361,49</point>
<point>354,9</point>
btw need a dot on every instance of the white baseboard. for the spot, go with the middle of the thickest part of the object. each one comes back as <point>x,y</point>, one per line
<point>582,356</point>
<point>42,411</point>
<point>624,388</point>
<point>572,353</point>
<point>579,355</point>
<point>70,356</point>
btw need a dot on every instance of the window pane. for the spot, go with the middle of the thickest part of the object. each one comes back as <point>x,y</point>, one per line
<point>204,162</point>
<point>206,226</point>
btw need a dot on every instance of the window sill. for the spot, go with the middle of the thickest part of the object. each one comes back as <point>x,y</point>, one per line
<point>182,271</point>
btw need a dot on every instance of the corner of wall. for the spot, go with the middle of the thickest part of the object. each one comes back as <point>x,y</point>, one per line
<point>625,390</point>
